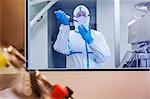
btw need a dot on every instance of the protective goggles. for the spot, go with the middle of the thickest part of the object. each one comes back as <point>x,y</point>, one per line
<point>81,13</point>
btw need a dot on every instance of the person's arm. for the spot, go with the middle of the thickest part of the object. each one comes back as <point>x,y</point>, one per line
<point>62,42</point>
<point>99,47</point>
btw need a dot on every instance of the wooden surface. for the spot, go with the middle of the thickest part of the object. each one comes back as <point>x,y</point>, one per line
<point>13,22</point>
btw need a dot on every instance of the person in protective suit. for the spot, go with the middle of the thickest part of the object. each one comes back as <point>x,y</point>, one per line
<point>84,47</point>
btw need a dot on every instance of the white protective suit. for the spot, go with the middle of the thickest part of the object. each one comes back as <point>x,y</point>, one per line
<point>79,54</point>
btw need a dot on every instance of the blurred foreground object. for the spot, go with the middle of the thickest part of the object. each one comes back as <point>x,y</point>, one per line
<point>3,60</point>
<point>26,85</point>
<point>9,56</point>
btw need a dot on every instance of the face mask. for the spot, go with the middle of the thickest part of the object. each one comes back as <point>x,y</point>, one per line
<point>83,21</point>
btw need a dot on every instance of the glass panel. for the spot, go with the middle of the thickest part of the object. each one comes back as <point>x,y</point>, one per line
<point>105,24</point>
<point>44,31</point>
<point>134,51</point>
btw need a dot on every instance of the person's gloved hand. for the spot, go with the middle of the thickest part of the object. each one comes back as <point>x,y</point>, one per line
<point>86,34</point>
<point>62,17</point>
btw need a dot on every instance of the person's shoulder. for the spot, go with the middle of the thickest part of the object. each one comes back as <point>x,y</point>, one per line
<point>97,33</point>
<point>71,31</point>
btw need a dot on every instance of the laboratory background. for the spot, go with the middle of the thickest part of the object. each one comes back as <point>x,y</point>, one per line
<point>31,69</point>
<point>129,45</point>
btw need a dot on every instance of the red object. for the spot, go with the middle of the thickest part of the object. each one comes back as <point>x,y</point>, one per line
<point>58,92</point>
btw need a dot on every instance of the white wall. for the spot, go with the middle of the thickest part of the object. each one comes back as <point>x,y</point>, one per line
<point>105,24</point>
<point>38,42</point>
<point>104,84</point>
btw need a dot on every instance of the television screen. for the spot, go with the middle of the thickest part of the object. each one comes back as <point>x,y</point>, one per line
<point>88,34</point>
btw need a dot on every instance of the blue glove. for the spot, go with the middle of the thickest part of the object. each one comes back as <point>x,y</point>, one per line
<point>86,34</point>
<point>62,17</point>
